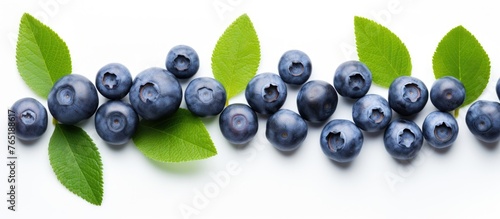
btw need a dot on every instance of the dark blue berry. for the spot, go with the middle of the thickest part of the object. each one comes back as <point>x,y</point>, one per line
<point>295,67</point>
<point>205,96</point>
<point>30,119</point>
<point>447,93</point>
<point>341,140</point>
<point>182,61</point>
<point>352,79</point>
<point>155,94</point>
<point>403,139</point>
<point>238,123</point>
<point>73,98</point>
<point>440,129</point>
<point>286,130</point>
<point>371,113</point>
<point>407,95</point>
<point>266,93</point>
<point>113,81</point>
<point>317,101</point>
<point>116,122</point>
<point>483,120</point>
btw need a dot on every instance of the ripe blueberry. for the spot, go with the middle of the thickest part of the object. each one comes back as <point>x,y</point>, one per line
<point>286,130</point>
<point>205,96</point>
<point>341,140</point>
<point>295,67</point>
<point>407,95</point>
<point>266,93</point>
<point>116,122</point>
<point>352,79</point>
<point>238,123</point>
<point>30,119</point>
<point>113,81</point>
<point>403,139</point>
<point>182,61</point>
<point>155,93</point>
<point>440,129</point>
<point>483,120</point>
<point>73,98</point>
<point>371,113</point>
<point>447,93</point>
<point>317,101</point>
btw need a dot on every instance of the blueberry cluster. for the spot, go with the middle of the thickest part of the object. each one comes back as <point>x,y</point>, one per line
<point>156,93</point>
<point>341,140</point>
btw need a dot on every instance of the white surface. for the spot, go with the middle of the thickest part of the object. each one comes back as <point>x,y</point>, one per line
<point>462,182</point>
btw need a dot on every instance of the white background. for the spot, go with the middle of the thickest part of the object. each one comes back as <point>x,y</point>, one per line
<point>463,181</point>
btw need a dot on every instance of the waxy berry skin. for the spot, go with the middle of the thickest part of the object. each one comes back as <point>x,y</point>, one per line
<point>30,119</point>
<point>403,139</point>
<point>155,94</point>
<point>73,98</point>
<point>407,95</point>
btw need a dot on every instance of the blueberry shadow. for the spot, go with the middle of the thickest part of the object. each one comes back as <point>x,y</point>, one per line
<point>240,147</point>
<point>209,119</point>
<point>372,135</point>
<point>404,162</point>
<point>347,100</point>
<point>116,147</point>
<point>294,87</point>
<point>317,125</point>
<point>288,153</point>
<point>29,144</point>
<point>342,165</point>
<point>184,81</point>
<point>440,151</point>
<point>186,168</point>
<point>491,146</point>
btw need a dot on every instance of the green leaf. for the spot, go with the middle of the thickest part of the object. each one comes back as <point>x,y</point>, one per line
<point>76,162</point>
<point>181,137</point>
<point>459,54</point>
<point>236,56</point>
<point>42,56</point>
<point>382,51</point>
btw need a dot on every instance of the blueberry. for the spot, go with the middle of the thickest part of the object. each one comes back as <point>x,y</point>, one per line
<point>295,67</point>
<point>205,96</point>
<point>352,79</point>
<point>238,123</point>
<point>73,98</point>
<point>341,140</point>
<point>483,120</point>
<point>371,113</point>
<point>407,95</point>
<point>182,61</point>
<point>403,139</point>
<point>447,93</point>
<point>30,119</point>
<point>266,93</point>
<point>498,88</point>
<point>116,122</point>
<point>286,130</point>
<point>113,81</point>
<point>440,129</point>
<point>317,101</point>
<point>155,94</point>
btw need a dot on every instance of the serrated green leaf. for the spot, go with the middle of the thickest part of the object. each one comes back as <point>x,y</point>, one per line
<point>181,137</point>
<point>42,56</point>
<point>382,51</point>
<point>459,54</point>
<point>236,56</point>
<point>77,162</point>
